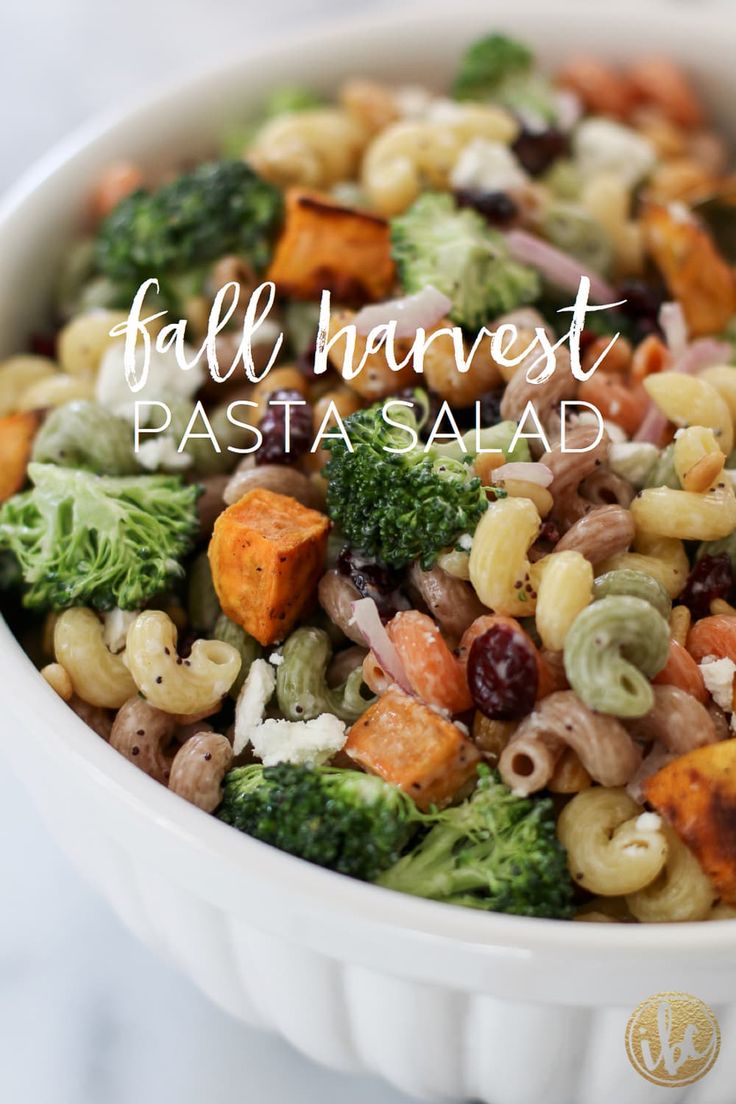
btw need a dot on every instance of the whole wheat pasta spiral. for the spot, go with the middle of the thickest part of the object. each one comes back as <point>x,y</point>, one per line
<point>561,720</point>
<point>604,487</point>
<point>677,721</point>
<point>452,602</point>
<point>569,469</point>
<point>605,531</point>
<point>545,396</point>
<point>336,594</point>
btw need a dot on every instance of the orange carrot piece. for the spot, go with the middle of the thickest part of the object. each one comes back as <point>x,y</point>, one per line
<point>434,674</point>
<point>650,355</point>
<point>617,401</point>
<point>659,81</point>
<point>681,670</point>
<point>602,89</point>
<point>713,636</point>
<point>116,183</point>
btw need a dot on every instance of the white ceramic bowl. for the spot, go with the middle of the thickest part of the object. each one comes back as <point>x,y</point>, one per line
<point>446,1003</point>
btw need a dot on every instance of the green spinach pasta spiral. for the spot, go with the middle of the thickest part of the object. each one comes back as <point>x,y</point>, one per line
<point>635,584</point>
<point>612,650</point>
<point>301,680</point>
<point>248,647</point>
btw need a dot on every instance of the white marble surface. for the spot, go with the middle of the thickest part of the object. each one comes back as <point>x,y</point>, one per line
<point>87,1016</point>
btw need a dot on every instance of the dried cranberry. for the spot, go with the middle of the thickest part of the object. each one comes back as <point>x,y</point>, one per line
<point>548,537</point>
<point>305,361</point>
<point>537,149</point>
<point>273,427</point>
<point>587,338</point>
<point>549,532</point>
<point>712,577</point>
<point>499,208</point>
<point>641,307</point>
<point>490,407</point>
<point>44,345</point>
<point>502,673</point>
<point>373,580</point>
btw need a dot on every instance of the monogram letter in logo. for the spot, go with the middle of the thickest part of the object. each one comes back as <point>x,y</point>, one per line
<point>672,1039</point>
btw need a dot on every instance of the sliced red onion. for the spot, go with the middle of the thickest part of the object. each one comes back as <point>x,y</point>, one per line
<point>528,472</point>
<point>674,327</point>
<point>568,108</point>
<point>652,426</point>
<point>366,618</point>
<point>704,352</point>
<point>558,267</point>
<point>423,309</point>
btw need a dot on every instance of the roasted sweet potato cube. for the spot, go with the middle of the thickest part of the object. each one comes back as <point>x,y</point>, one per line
<point>324,246</point>
<point>16,438</point>
<point>413,747</point>
<point>267,553</point>
<point>697,795</point>
<point>693,269</point>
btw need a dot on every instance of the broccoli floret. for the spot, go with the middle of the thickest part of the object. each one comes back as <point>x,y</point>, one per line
<point>81,434</point>
<point>218,208</point>
<point>488,62</point>
<point>345,820</point>
<point>83,539</point>
<point>495,851</point>
<point>455,251</point>
<point>290,98</point>
<point>500,69</point>
<point>398,507</point>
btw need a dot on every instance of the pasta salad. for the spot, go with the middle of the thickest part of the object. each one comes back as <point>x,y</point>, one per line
<point>372,487</point>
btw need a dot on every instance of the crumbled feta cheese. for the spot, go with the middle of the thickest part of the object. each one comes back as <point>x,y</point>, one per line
<point>276,658</point>
<point>412,101</point>
<point>633,460</point>
<point>465,541</point>
<point>441,109</point>
<point>648,822</point>
<point>116,625</point>
<point>718,678</point>
<point>255,694</point>
<point>487,166</point>
<point>306,742</point>
<point>166,381</point>
<point>348,193</point>
<point>601,146</point>
<point>160,454</point>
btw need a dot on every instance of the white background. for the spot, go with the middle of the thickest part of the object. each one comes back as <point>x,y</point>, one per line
<point>86,1015</point>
